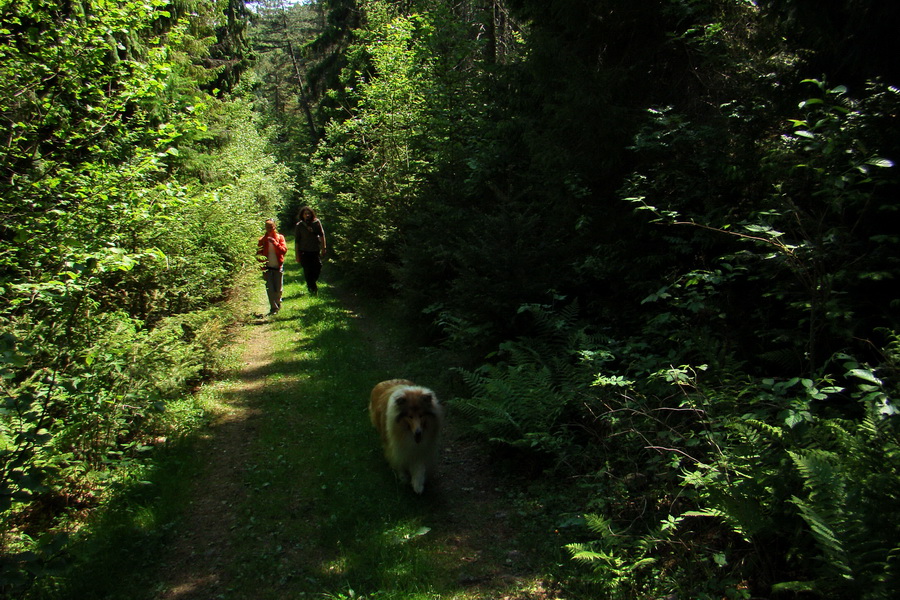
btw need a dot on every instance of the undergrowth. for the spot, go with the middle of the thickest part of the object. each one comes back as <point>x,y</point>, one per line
<point>80,435</point>
<point>701,487</point>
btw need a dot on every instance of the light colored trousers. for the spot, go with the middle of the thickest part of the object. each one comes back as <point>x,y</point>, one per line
<point>274,285</point>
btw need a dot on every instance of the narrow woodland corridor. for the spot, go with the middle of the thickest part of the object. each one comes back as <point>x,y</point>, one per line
<point>294,497</point>
<point>644,253</point>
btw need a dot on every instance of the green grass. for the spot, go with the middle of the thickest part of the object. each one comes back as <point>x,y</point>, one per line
<point>323,511</point>
<point>319,513</point>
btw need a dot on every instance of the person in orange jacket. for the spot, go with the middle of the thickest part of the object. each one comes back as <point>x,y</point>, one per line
<point>270,251</point>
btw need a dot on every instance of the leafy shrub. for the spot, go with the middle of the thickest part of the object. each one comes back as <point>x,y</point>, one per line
<point>812,246</point>
<point>795,492</point>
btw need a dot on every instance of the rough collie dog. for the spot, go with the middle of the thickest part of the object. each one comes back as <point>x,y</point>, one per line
<point>408,418</point>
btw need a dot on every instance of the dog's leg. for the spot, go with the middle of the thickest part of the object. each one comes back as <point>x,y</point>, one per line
<point>417,473</point>
<point>402,475</point>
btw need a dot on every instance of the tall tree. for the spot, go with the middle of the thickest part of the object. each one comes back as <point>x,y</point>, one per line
<point>281,34</point>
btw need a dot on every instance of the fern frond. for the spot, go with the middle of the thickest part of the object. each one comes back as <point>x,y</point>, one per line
<point>827,538</point>
<point>584,553</point>
<point>821,476</point>
<point>773,432</point>
<point>743,515</point>
<point>600,525</point>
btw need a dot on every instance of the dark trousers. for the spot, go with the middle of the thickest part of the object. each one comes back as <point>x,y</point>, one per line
<point>312,268</point>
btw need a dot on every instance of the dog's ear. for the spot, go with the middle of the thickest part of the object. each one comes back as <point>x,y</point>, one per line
<point>428,398</point>
<point>401,400</point>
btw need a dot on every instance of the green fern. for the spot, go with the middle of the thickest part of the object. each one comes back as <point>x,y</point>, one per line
<point>838,478</point>
<point>619,562</point>
<point>850,506</point>
<point>527,399</point>
<point>510,402</point>
<point>822,510</point>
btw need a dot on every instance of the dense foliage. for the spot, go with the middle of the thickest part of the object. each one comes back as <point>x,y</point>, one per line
<point>659,240</point>
<point>655,240</point>
<point>130,192</point>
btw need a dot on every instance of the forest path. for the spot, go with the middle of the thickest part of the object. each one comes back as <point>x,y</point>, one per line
<point>195,563</point>
<point>295,500</point>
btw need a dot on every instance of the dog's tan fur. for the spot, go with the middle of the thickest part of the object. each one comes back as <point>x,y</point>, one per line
<point>408,418</point>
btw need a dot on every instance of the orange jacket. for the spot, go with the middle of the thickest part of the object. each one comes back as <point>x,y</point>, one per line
<point>280,247</point>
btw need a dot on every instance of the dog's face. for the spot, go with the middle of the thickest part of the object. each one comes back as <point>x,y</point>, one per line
<point>415,410</point>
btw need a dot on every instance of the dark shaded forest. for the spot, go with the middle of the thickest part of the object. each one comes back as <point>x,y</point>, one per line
<point>654,244</point>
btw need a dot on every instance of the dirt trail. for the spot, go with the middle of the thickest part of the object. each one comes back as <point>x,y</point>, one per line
<point>194,565</point>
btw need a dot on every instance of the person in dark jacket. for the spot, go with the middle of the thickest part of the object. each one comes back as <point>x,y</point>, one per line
<point>310,246</point>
